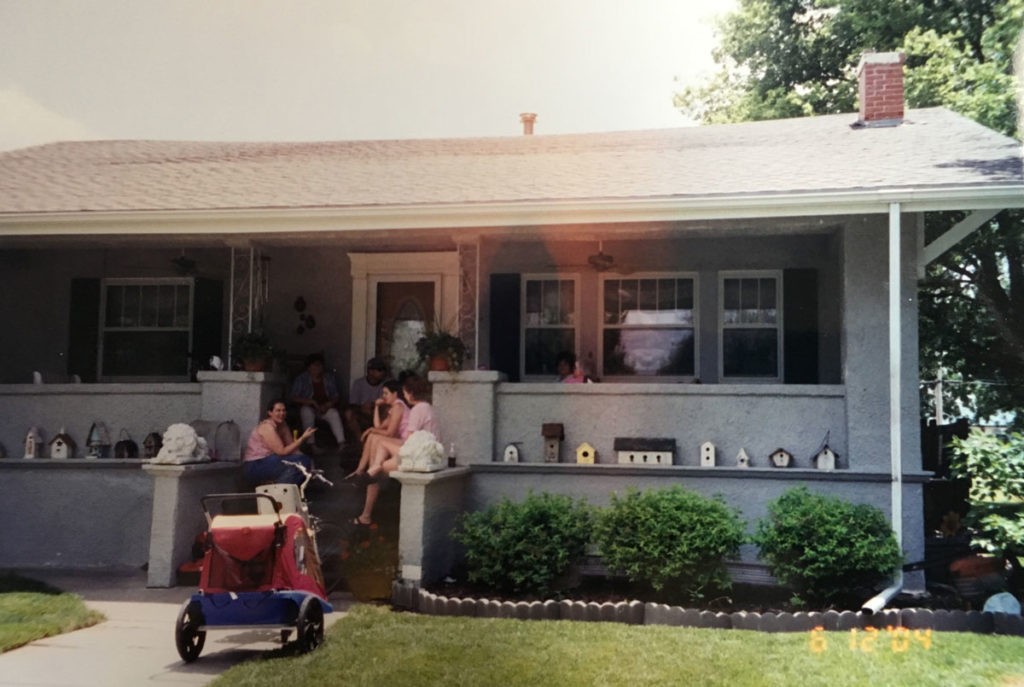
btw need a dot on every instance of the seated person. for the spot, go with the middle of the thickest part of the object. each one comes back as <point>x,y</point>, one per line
<point>390,419</point>
<point>316,394</point>
<point>385,457</point>
<point>361,397</point>
<point>269,445</point>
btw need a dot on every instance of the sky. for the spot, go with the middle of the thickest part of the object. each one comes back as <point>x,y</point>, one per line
<point>298,70</point>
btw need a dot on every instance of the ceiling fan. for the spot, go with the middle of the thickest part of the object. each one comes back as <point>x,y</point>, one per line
<point>600,260</point>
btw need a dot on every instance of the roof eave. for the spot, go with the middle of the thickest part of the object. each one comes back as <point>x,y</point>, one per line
<point>249,221</point>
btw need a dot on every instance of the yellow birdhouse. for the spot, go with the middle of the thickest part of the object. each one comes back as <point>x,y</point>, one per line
<point>585,453</point>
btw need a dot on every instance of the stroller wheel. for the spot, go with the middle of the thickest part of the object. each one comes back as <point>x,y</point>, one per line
<point>188,638</point>
<point>310,625</point>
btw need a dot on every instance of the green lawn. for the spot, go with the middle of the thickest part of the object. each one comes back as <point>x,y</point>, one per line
<point>375,646</point>
<point>32,610</point>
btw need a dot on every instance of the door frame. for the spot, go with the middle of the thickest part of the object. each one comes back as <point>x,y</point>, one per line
<point>369,269</point>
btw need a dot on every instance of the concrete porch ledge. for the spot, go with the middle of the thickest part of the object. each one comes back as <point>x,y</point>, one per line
<point>431,503</point>
<point>177,512</point>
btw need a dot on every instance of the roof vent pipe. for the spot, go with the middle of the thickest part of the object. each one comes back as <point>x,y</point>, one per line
<point>880,88</point>
<point>528,118</point>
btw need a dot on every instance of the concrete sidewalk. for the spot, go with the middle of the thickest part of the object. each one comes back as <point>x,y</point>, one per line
<point>135,646</point>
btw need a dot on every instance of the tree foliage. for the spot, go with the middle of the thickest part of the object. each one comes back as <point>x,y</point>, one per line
<point>794,58</point>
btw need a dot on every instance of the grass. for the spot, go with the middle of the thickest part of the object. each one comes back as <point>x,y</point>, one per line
<point>31,610</point>
<point>375,646</point>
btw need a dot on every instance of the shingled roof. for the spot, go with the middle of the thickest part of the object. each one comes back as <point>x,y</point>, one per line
<point>933,149</point>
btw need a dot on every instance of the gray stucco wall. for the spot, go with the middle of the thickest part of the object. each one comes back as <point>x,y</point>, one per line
<point>139,408</point>
<point>75,514</point>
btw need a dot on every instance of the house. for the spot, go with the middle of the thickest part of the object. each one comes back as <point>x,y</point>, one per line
<point>728,284</point>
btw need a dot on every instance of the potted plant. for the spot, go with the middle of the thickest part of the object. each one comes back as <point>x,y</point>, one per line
<point>254,350</point>
<point>441,350</point>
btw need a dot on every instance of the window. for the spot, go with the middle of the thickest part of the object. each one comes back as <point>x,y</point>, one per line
<point>145,329</point>
<point>648,326</point>
<point>751,333</point>
<point>549,322</point>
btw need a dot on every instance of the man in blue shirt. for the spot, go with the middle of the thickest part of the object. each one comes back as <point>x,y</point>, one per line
<point>316,394</point>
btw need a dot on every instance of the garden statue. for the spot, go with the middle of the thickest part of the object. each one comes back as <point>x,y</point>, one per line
<point>182,445</point>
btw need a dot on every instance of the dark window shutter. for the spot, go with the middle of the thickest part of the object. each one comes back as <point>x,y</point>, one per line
<point>84,328</point>
<point>800,337</point>
<point>504,331</point>
<point>207,321</point>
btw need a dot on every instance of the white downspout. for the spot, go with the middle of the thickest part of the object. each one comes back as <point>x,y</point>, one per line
<point>895,417</point>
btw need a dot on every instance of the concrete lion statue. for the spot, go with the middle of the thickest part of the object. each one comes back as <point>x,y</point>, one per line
<point>182,445</point>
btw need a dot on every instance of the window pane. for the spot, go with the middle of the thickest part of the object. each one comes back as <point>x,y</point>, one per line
<point>551,303</point>
<point>145,354</point>
<point>750,353</point>
<point>543,346</point>
<point>130,313</point>
<point>181,303</point>
<point>769,309</point>
<point>731,301</point>
<point>148,306</point>
<point>648,299</point>
<point>165,305</point>
<point>532,303</point>
<point>568,308</point>
<point>648,352</point>
<point>684,294</point>
<point>611,301</point>
<point>749,312</point>
<point>628,297</point>
<point>115,304</point>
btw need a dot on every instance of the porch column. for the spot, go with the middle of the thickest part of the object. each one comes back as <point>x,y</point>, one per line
<point>895,374</point>
<point>467,412</point>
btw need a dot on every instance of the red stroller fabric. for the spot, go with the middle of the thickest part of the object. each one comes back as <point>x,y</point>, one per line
<point>242,554</point>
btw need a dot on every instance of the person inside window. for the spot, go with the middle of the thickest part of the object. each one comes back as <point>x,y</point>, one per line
<point>270,444</point>
<point>362,396</point>
<point>316,394</point>
<point>385,457</point>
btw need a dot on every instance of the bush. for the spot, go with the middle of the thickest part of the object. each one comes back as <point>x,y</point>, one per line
<point>995,468</point>
<point>526,547</point>
<point>825,548</point>
<point>673,541</point>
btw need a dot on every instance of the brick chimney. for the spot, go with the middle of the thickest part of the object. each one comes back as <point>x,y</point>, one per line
<point>528,118</point>
<point>880,79</point>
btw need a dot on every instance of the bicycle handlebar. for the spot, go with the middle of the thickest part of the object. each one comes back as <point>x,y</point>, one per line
<point>309,474</point>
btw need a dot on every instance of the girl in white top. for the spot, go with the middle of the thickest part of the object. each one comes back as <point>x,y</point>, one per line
<point>385,457</point>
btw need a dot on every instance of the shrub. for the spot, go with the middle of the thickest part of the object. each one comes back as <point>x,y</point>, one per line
<point>673,541</point>
<point>526,547</point>
<point>995,468</point>
<point>825,548</point>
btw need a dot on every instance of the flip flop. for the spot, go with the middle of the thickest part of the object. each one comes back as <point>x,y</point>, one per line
<point>359,523</point>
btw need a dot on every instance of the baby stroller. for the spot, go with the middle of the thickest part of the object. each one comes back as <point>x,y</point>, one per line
<point>260,569</point>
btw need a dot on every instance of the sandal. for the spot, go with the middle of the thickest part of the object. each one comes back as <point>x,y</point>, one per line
<point>359,523</point>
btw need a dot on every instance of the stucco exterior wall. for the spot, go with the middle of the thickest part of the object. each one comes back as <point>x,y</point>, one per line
<point>75,514</point>
<point>139,408</point>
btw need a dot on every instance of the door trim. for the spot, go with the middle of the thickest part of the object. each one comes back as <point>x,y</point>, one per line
<point>368,269</point>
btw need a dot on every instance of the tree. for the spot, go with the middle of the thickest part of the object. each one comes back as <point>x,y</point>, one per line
<point>793,58</point>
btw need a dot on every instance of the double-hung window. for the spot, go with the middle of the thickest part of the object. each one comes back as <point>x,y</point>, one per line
<point>649,325</point>
<point>750,315</point>
<point>145,329</point>
<point>550,304</point>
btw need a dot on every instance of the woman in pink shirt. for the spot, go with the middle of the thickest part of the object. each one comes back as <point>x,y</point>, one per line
<point>269,445</point>
<point>385,457</point>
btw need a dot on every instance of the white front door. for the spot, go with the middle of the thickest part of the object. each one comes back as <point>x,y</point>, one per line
<point>395,297</point>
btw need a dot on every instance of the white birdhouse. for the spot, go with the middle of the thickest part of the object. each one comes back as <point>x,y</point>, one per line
<point>825,458</point>
<point>707,455</point>
<point>98,443</point>
<point>554,434</point>
<point>62,446</point>
<point>781,458</point>
<point>511,454</point>
<point>585,453</point>
<point>645,451</point>
<point>742,459</point>
<point>34,443</point>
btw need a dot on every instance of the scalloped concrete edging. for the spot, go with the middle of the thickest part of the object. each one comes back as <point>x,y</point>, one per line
<point>639,613</point>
